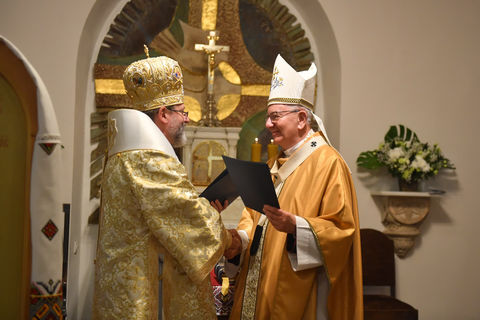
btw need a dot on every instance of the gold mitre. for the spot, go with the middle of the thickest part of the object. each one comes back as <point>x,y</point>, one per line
<point>292,87</point>
<point>154,82</point>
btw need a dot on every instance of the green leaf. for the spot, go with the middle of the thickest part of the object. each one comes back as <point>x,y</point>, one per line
<point>402,132</point>
<point>369,160</point>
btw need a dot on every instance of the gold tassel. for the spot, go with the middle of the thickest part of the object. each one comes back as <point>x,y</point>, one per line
<point>225,285</point>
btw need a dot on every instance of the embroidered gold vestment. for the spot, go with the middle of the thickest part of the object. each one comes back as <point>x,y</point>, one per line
<point>149,208</point>
<point>321,191</point>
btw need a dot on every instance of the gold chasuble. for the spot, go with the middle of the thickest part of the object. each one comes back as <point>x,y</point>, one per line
<point>320,189</point>
<point>150,208</point>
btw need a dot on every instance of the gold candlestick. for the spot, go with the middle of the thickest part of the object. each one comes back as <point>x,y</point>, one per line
<point>272,150</point>
<point>256,151</point>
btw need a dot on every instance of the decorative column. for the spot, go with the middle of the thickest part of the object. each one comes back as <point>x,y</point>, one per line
<point>403,213</point>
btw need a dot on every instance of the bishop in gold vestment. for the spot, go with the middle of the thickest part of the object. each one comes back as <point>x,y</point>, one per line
<point>149,208</point>
<point>321,191</point>
<point>308,261</point>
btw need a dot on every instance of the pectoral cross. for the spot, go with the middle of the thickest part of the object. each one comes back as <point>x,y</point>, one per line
<point>209,118</point>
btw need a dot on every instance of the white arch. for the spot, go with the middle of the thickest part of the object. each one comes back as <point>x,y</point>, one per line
<point>83,236</point>
<point>324,46</point>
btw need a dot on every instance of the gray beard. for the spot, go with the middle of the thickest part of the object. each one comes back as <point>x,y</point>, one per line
<point>179,138</point>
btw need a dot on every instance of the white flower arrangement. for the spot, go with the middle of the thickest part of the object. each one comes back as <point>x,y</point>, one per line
<point>405,156</point>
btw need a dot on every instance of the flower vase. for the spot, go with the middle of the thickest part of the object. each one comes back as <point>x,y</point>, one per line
<point>407,186</point>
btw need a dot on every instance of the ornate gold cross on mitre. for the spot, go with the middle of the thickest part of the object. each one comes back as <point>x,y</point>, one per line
<point>209,118</point>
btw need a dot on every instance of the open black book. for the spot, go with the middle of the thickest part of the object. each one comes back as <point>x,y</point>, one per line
<point>249,180</point>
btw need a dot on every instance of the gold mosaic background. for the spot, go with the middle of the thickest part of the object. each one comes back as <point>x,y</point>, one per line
<point>255,31</point>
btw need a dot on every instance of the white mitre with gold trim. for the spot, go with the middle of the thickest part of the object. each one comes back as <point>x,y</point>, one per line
<point>295,88</point>
<point>292,87</point>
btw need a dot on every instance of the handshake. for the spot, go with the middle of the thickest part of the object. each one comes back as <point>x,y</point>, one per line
<point>235,247</point>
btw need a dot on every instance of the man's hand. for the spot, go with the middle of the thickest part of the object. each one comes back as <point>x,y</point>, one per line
<point>282,220</point>
<point>236,246</point>
<point>218,206</point>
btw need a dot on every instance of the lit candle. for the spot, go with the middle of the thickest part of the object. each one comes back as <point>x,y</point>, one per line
<point>256,151</point>
<point>272,150</point>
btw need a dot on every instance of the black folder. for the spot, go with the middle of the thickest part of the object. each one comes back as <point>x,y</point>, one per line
<point>251,180</point>
<point>222,188</point>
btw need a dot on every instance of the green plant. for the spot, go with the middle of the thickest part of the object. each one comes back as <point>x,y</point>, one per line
<point>405,156</point>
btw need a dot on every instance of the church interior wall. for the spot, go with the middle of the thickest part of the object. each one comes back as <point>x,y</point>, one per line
<point>416,63</point>
<point>48,35</point>
<point>318,29</point>
<point>382,63</point>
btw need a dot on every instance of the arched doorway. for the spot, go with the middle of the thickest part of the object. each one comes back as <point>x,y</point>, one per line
<point>18,128</point>
<point>84,190</point>
<point>31,232</point>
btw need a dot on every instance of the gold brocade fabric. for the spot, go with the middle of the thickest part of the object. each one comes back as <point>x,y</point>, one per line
<point>320,190</point>
<point>149,207</point>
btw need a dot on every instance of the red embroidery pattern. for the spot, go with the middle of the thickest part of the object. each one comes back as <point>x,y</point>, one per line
<point>50,230</point>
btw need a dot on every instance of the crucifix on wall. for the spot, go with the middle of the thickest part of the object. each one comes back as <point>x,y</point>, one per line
<point>209,117</point>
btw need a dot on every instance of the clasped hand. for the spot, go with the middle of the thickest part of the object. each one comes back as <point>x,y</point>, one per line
<point>236,246</point>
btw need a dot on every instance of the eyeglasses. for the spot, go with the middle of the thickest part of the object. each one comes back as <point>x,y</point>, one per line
<point>274,116</point>
<point>183,113</point>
